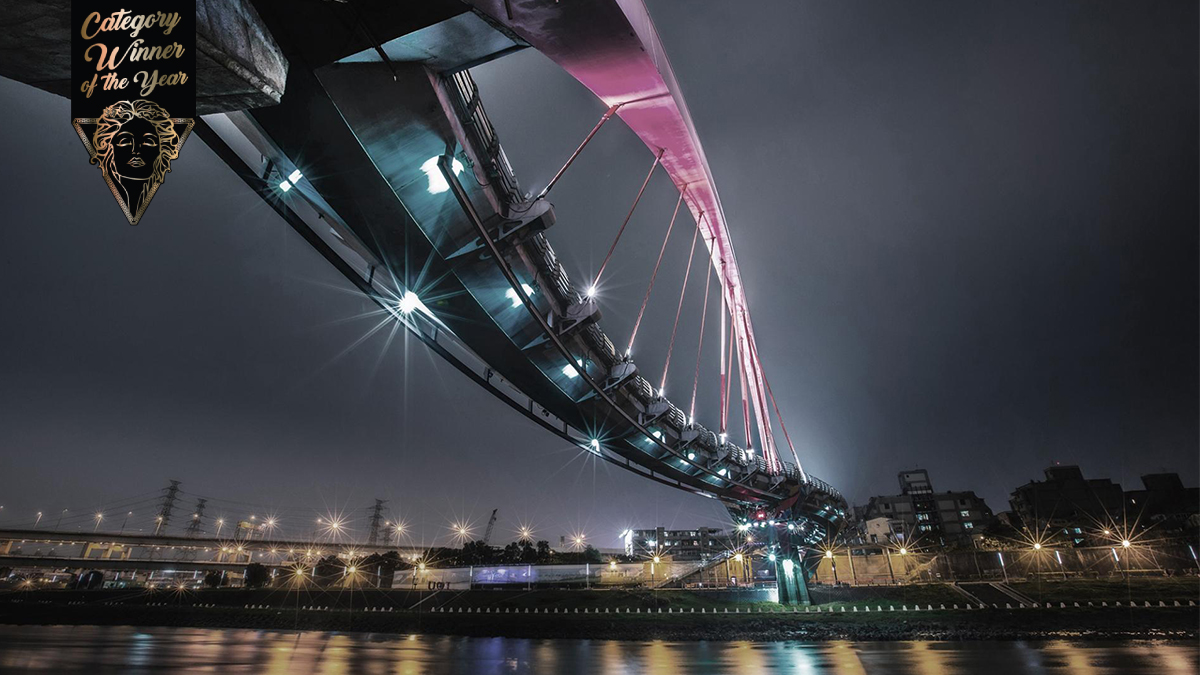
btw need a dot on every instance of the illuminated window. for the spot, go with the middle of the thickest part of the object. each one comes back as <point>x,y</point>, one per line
<point>968,526</point>
<point>965,514</point>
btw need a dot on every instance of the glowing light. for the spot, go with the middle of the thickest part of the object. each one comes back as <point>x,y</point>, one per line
<point>285,186</point>
<point>691,456</point>
<point>1037,547</point>
<point>612,564</point>
<point>791,526</point>
<point>723,436</point>
<point>409,302</point>
<point>657,560</point>
<point>1125,543</point>
<point>1107,532</point>
<point>437,182</point>
<point>829,554</point>
<point>722,472</point>
<point>591,293</point>
<point>787,567</point>
<point>737,557</point>
<point>903,551</point>
<point>515,297</point>
<point>352,569</point>
<point>421,567</point>
<point>742,527</point>
<point>570,372</point>
<point>771,557</point>
<point>295,176</point>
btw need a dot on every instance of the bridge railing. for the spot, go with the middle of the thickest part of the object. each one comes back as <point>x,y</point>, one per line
<point>469,108</point>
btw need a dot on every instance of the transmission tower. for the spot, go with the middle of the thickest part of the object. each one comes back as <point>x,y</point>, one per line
<point>168,503</point>
<point>376,519</point>
<point>193,528</point>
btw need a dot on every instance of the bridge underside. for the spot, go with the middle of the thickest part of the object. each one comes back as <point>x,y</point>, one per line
<point>368,134</point>
<point>405,189</point>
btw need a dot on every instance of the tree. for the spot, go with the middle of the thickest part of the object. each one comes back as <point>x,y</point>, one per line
<point>380,569</point>
<point>329,571</point>
<point>529,554</point>
<point>477,553</point>
<point>512,554</point>
<point>592,554</point>
<point>214,579</point>
<point>544,554</point>
<point>257,575</point>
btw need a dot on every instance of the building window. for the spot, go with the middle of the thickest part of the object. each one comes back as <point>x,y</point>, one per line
<point>924,528</point>
<point>968,526</point>
<point>887,507</point>
<point>965,514</point>
<point>922,516</point>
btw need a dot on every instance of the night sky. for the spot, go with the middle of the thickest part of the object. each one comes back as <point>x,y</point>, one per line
<point>969,234</point>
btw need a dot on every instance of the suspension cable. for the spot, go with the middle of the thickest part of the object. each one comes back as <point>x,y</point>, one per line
<point>726,367</point>
<point>700,347</point>
<point>596,281</point>
<point>678,310</point>
<point>570,160</point>
<point>654,275</point>
<point>778,414</point>
<point>742,392</point>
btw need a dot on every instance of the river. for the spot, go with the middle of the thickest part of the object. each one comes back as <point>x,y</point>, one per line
<point>169,651</point>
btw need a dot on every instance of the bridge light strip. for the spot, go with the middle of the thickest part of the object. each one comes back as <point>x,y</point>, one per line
<point>515,297</point>
<point>437,182</point>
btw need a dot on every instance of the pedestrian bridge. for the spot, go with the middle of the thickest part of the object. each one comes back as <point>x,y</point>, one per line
<point>380,153</point>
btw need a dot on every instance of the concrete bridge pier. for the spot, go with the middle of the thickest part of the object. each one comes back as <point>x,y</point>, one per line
<point>791,572</point>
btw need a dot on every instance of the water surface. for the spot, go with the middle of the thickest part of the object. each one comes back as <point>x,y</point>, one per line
<point>170,651</point>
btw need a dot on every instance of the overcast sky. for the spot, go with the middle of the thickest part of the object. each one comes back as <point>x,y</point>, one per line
<point>968,233</point>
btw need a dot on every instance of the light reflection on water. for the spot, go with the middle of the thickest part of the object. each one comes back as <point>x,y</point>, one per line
<point>171,651</point>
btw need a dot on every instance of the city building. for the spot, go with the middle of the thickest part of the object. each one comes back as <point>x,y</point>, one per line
<point>919,513</point>
<point>680,545</point>
<point>1165,503</point>
<point>1066,500</point>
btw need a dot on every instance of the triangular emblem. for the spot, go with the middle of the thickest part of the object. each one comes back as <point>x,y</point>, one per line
<point>133,144</point>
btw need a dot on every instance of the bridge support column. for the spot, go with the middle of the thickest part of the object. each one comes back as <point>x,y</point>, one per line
<point>792,580</point>
<point>791,574</point>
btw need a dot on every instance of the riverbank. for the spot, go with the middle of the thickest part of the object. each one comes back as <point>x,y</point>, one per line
<point>679,616</point>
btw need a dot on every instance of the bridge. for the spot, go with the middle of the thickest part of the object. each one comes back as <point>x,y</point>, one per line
<point>359,123</point>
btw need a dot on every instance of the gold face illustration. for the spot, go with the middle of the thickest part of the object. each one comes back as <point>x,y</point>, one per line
<point>133,144</point>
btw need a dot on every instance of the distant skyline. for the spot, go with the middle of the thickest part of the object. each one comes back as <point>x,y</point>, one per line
<point>968,234</point>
